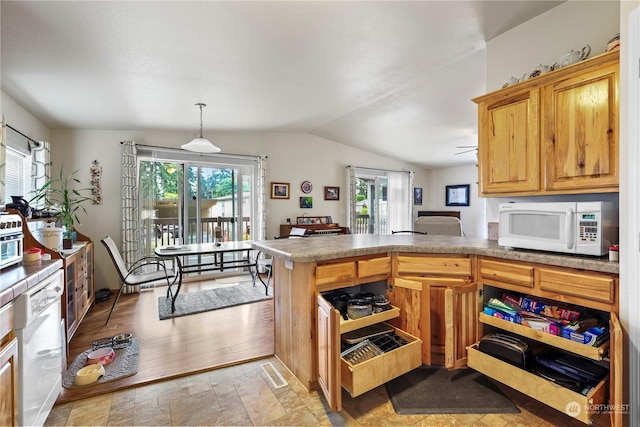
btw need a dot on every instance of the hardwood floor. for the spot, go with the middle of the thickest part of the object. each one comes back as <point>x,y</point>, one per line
<point>175,347</point>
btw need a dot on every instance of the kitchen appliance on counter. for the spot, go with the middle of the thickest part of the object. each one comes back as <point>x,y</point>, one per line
<point>11,239</point>
<point>586,228</point>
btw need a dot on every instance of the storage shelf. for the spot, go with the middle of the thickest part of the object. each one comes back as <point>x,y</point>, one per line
<point>594,353</point>
<point>352,325</point>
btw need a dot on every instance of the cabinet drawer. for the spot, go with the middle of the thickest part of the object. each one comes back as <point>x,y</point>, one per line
<point>545,391</point>
<point>509,275</point>
<point>576,287</point>
<point>362,377</point>
<point>338,272</point>
<point>6,320</point>
<point>374,266</point>
<point>427,265</point>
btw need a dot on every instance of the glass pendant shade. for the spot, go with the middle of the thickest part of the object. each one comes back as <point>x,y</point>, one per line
<point>200,144</point>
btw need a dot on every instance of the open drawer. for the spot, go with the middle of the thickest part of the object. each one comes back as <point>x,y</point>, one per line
<point>576,405</point>
<point>362,377</point>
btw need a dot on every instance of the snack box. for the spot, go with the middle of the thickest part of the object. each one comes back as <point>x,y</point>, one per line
<point>539,307</point>
<point>509,317</point>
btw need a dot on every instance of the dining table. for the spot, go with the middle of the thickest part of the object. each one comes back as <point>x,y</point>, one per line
<point>215,256</point>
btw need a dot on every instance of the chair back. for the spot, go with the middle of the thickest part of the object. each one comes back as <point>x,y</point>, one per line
<point>438,225</point>
<point>121,267</point>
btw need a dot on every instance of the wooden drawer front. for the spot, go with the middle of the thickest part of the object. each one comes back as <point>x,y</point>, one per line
<point>595,287</point>
<point>365,376</point>
<point>545,391</point>
<point>374,266</point>
<point>516,275</point>
<point>338,272</point>
<point>434,265</point>
<point>81,261</point>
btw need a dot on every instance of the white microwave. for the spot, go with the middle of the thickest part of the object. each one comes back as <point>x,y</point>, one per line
<point>586,228</point>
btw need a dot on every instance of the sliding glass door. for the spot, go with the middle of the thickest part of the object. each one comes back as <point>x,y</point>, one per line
<point>187,201</point>
<point>380,201</point>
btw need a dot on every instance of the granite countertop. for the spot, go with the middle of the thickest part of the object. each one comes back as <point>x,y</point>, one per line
<point>321,248</point>
<point>17,279</point>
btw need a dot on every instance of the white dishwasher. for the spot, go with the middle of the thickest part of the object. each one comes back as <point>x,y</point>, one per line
<point>36,319</point>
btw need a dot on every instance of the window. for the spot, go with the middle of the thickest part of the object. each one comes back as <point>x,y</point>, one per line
<point>17,174</point>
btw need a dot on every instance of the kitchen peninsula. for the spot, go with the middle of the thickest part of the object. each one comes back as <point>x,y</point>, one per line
<point>437,284</point>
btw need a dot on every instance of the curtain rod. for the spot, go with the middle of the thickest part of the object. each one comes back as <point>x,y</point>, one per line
<point>376,169</point>
<point>22,134</point>
<point>178,150</point>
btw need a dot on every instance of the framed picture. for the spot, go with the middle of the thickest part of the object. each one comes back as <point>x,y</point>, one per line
<point>306,202</point>
<point>457,195</point>
<point>279,190</point>
<point>332,193</point>
<point>417,196</point>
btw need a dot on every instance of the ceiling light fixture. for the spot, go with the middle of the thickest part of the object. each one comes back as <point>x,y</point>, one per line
<point>200,144</point>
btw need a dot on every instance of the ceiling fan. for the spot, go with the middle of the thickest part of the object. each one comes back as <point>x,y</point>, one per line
<point>467,149</point>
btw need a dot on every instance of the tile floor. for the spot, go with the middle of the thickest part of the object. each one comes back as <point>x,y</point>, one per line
<point>243,395</point>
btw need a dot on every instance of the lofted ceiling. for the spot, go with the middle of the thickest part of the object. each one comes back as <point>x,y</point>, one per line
<point>391,77</point>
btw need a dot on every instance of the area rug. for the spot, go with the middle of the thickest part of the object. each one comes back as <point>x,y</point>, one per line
<point>124,365</point>
<point>436,390</point>
<point>212,299</point>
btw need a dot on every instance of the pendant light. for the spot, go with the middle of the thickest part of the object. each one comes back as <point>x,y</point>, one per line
<point>200,144</point>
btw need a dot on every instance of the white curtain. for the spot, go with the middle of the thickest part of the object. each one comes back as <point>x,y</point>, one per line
<point>40,164</point>
<point>400,201</point>
<point>3,155</point>
<point>130,229</point>
<point>351,192</point>
<point>262,198</point>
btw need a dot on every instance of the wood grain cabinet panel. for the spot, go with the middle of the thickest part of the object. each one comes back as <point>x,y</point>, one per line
<point>553,134</point>
<point>587,289</point>
<point>509,275</point>
<point>509,143</point>
<point>580,131</point>
<point>374,266</point>
<point>434,265</point>
<point>336,272</point>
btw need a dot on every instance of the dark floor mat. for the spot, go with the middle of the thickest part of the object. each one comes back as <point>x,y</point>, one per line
<point>436,390</point>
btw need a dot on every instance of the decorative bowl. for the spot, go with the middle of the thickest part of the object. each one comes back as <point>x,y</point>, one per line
<point>89,374</point>
<point>102,356</point>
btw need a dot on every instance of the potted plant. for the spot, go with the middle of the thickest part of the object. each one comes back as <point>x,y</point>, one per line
<point>63,202</point>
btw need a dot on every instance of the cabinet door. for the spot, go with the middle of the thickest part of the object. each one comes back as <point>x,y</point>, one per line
<point>412,297</point>
<point>462,327</point>
<point>509,144</point>
<point>70,307</point>
<point>9,384</point>
<point>89,274</point>
<point>328,329</point>
<point>616,370</point>
<point>580,132</point>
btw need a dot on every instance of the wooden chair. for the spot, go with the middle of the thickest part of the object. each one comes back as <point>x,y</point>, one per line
<point>146,270</point>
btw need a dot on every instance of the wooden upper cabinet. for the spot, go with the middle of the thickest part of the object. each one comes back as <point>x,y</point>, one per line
<point>580,131</point>
<point>553,134</point>
<point>509,143</point>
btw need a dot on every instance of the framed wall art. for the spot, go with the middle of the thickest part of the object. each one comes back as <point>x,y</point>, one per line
<point>417,196</point>
<point>457,195</point>
<point>280,190</point>
<point>306,202</point>
<point>332,193</point>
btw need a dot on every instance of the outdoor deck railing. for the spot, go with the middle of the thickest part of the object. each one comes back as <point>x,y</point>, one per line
<point>168,231</point>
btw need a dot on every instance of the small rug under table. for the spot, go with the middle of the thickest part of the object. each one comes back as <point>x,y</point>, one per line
<point>436,390</point>
<point>213,299</point>
<point>124,365</point>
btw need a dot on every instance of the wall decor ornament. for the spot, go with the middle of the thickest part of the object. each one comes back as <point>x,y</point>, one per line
<point>279,190</point>
<point>417,196</point>
<point>306,187</point>
<point>96,183</point>
<point>332,193</point>
<point>457,195</point>
<point>306,202</point>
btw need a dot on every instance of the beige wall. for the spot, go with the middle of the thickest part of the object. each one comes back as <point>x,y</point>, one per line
<point>291,157</point>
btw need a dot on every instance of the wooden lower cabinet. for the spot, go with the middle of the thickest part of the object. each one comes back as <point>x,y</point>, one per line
<point>335,372</point>
<point>582,290</point>
<point>8,369</point>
